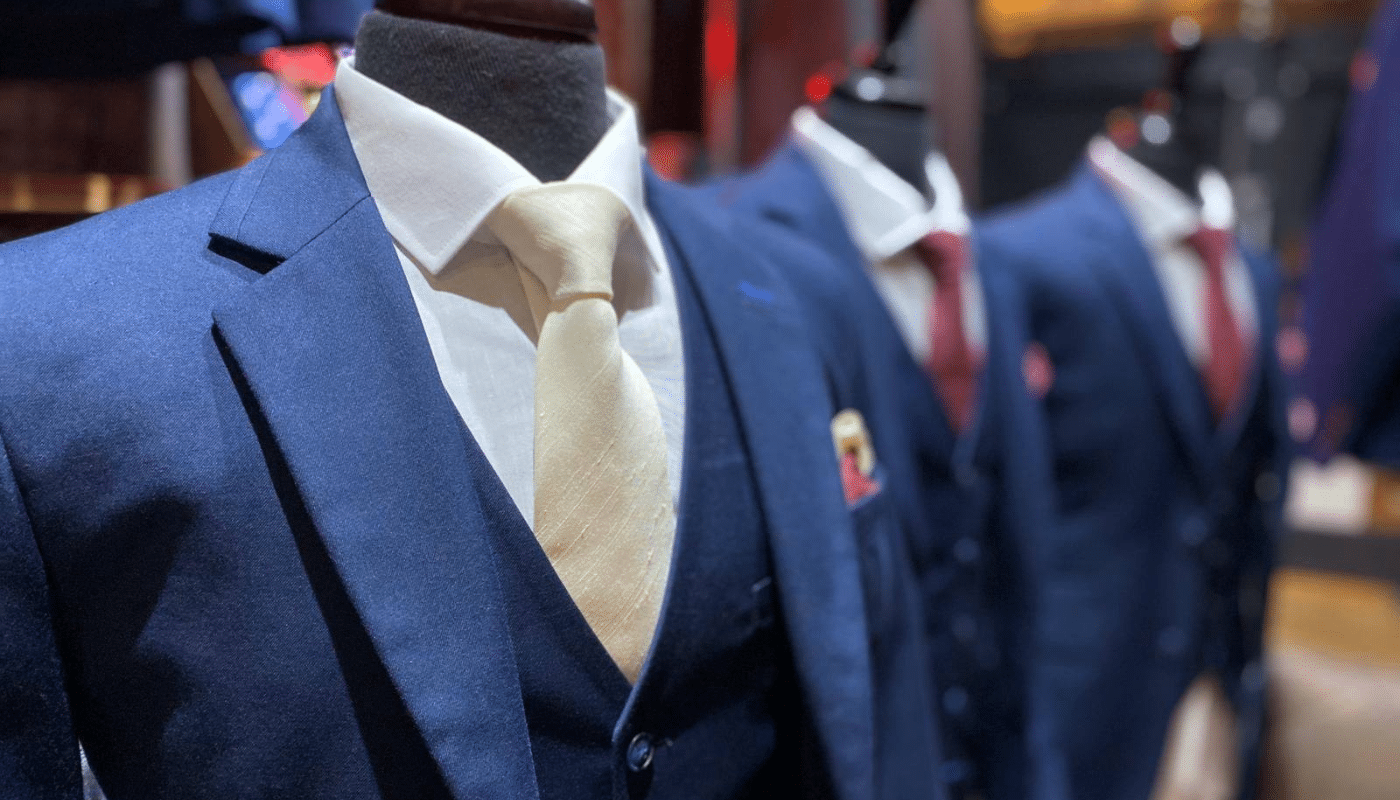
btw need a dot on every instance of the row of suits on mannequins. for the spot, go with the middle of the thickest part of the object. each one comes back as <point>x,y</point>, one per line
<point>269,525</point>
<point>1101,493</point>
<point>284,457</point>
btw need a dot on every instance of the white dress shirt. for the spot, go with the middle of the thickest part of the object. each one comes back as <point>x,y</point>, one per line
<point>885,217</point>
<point>1164,217</point>
<point>434,182</point>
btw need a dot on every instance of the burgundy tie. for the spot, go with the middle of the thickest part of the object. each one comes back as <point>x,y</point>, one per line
<point>953,363</point>
<point>1227,352</point>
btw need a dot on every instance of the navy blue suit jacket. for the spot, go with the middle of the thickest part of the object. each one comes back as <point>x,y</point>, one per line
<point>241,524</point>
<point>1352,290</point>
<point>974,499</point>
<point>1155,568</point>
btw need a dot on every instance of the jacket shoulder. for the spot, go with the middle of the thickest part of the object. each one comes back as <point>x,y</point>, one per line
<point>117,275</point>
<point>1028,229</point>
<point>174,221</point>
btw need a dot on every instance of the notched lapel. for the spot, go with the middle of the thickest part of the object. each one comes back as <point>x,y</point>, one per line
<point>330,346</point>
<point>1122,262</point>
<point>782,397</point>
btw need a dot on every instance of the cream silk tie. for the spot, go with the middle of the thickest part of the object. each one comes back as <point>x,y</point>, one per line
<point>603,510</point>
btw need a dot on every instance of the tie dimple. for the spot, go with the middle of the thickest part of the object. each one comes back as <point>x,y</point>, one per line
<point>603,510</point>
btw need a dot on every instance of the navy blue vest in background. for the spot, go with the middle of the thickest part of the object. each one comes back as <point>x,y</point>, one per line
<point>704,721</point>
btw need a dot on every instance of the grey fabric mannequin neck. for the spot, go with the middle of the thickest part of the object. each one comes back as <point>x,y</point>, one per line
<point>543,102</point>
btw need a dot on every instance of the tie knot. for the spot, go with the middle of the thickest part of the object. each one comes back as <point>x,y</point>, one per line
<point>944,253</point>
<point>564,233</point>
<point>1213,245</point>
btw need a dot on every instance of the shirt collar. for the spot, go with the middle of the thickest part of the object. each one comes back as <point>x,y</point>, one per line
<point>1163,214</point>
<point>884,213</point>
<point>436,181</point>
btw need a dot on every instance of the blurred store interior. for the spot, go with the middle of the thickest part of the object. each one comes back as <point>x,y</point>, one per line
<point>101,107</point>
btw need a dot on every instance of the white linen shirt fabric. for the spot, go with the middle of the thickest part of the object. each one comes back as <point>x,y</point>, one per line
<point>1164,217</point>
<point>435,182</point>
<point>885,217</point>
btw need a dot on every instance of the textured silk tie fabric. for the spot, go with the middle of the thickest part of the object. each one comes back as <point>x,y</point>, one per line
<point>1227,352</point>
<point>603,511</point>
<point>953,364</point>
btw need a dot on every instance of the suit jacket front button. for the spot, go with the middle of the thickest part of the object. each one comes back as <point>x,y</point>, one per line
<point>1171,642</point>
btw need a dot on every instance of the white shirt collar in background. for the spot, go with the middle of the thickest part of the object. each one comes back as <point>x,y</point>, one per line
<point>1164,217</point>
<point>885,216</point>
<point>882,211</point>
<point>1163,214</point>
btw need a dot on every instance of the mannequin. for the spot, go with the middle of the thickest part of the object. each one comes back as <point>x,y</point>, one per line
<point>885,116</point>
<point>458,67</point>
<point>1175,150</point>
<point>885,113</point>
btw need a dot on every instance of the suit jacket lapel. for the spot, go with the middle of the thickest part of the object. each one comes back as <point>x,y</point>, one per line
<point>329,345</point>
<point>1122,262</point>
<point>782,397</point>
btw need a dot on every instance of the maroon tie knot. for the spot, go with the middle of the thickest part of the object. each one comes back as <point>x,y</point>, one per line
<point>945,255</point>
<point>1214,246</point>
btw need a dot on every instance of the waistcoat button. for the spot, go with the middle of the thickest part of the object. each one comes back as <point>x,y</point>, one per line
<point>640,752</point>
<point>967,551</point>
<point>965,628</point>
<point>1194,531</point>
<point>967,476</point>
<point>955,700</point>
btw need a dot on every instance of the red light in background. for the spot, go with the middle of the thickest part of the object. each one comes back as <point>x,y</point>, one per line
<point>818,87</point>
<point>309,66</point>
<point>1365,68</point>
<point>721,50</point>
<point>670,153</point>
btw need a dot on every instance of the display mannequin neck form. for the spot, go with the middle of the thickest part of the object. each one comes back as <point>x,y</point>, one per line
<point>540,100</point>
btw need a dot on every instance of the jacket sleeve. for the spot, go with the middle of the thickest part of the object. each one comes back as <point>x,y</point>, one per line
<point>38,749</point>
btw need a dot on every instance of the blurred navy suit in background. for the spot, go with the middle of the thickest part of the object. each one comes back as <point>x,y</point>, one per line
<point>1155,569</point>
